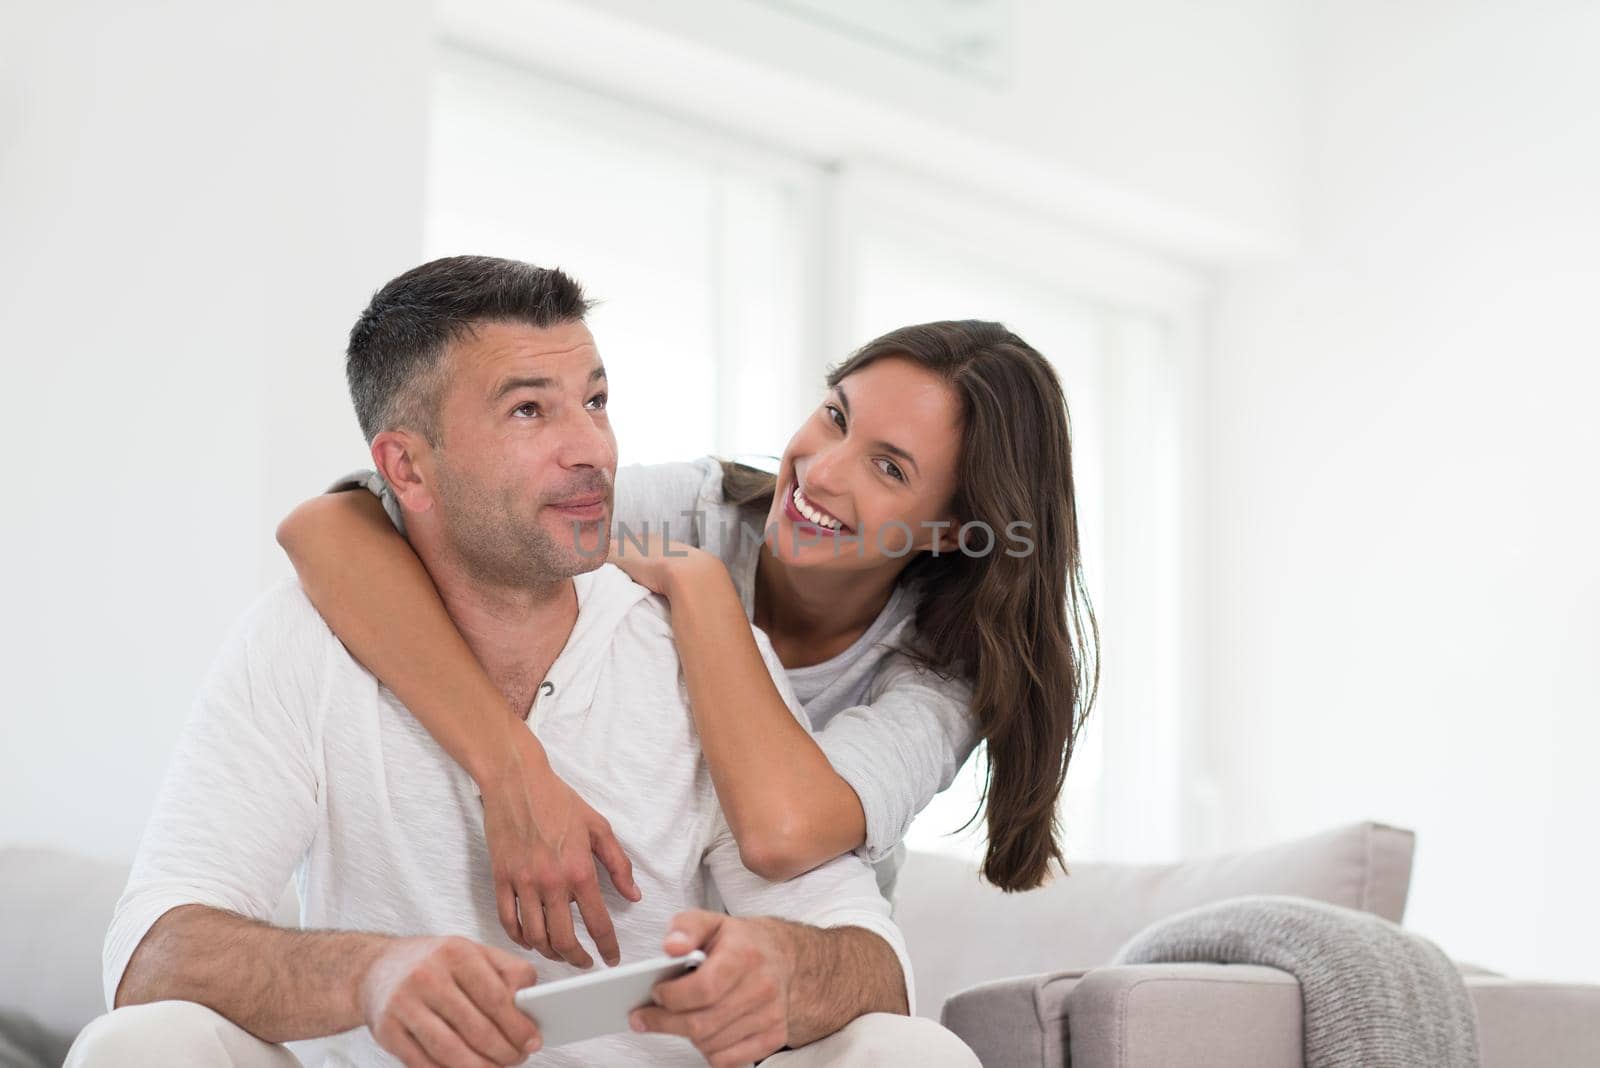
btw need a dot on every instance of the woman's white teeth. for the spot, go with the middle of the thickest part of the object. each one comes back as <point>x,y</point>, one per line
<point>816,515</point>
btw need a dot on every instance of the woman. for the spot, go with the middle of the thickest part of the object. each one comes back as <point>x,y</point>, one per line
<point>915,565</point>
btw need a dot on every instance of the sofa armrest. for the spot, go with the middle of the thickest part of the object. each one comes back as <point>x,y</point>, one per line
<point>1536,1025</point>
<point>1134,1016</point>
<point>1014,1023</point>
<point>1223,1015</point>
<point>1197,1015</point>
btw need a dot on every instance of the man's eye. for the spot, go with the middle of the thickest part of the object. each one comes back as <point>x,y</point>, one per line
<point>528,408</point>
<point>835,414</point>
<point>598,401</point>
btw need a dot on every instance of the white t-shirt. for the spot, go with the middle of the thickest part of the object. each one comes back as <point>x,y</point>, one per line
<point>296,762</point>
<point>895,731</point>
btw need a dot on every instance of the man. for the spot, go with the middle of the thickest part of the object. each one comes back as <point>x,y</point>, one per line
<point>482,395</point>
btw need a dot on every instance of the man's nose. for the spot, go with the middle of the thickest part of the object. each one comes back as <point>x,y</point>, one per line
<point>587,442</point>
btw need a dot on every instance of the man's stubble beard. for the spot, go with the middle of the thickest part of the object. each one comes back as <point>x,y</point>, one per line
<point>496,543</point>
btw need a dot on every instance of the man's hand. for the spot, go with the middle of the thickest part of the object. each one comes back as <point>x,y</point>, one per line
<point>543,840</point>
<point>735,1006</point>
<point>447,1003</point>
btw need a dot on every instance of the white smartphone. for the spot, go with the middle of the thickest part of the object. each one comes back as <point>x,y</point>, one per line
<point>588,1006</point>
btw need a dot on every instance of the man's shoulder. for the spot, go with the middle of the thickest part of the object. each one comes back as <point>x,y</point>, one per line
<point>283,621</point>
<point>277,654</point>
<point>649,622</point>
<point>652,613</point>
<point>651,617</point>
<point>646,627</point>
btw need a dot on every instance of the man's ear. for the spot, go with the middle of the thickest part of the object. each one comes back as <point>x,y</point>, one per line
<point>404,461</point>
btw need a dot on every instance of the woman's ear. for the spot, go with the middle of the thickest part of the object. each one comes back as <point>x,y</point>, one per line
<point>949,538</point>
<point>942,535</point>
<point>401,458</point>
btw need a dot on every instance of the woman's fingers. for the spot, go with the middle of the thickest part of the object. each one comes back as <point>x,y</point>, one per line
<point>505,903</point>
<point>597,919</point>
<point>603,842</point>
<point>531,911</point>
<point>544,840</point>
<point>558,922</point>
<point>517,852</point>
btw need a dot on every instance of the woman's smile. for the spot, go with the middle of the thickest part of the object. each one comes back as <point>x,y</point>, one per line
<point>801,509</point>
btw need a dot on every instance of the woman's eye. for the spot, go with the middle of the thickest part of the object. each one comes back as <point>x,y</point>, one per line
<point>834,414</point>
<point>598,402</point>
<point>892,469</point>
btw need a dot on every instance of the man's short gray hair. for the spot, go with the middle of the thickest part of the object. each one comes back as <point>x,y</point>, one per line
<point>394,362</point>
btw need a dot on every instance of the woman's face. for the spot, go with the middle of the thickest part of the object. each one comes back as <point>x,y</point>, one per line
<point>875,471</point>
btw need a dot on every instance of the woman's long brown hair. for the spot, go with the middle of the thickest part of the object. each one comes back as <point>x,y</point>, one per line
<point>1018,624</point>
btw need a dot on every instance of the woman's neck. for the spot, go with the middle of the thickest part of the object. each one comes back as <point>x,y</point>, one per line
<point>812,615</point>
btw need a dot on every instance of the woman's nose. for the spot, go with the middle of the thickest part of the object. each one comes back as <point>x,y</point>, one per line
<point>825,475</point>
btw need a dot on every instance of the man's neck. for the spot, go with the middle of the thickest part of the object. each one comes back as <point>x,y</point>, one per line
<point>515,632</point>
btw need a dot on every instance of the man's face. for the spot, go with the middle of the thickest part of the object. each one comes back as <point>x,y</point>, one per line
<point>524,468</point>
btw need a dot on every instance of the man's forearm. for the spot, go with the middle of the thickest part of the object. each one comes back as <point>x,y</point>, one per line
<point>839,973</point>
<point>280,985</point>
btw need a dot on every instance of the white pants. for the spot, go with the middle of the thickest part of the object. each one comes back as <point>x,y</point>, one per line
<point>166,1033</point>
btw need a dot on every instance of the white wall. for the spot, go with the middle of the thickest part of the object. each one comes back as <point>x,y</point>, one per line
<point>195,202</point>
<point>1406,599</point>
<point>1171,123</point>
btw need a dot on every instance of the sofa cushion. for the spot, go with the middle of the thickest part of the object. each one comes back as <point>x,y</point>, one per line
<point>54,910</point>
<point>55,907</point>
<point>25,1043</point>
<point>1078,921</point>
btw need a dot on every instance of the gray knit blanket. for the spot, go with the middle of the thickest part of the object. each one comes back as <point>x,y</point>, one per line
<point>1375,995</point>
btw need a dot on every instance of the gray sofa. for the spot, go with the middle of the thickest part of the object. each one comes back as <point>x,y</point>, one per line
<point>1020,977</point>
<point>1061,1005</point>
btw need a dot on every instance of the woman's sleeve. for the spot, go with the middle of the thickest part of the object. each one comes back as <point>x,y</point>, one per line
<point>374,484</point>
<point>902,747</point>
<point>670,498</point>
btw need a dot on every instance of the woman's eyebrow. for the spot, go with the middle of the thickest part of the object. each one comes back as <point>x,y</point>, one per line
<point>897,451</point>
<point>887,446</point>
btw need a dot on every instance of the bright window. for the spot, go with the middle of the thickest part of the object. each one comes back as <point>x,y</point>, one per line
<point>694,248</point>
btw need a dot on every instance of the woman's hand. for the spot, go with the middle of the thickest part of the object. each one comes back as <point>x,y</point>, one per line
<point>662,564</point>
<point>543,841</point>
